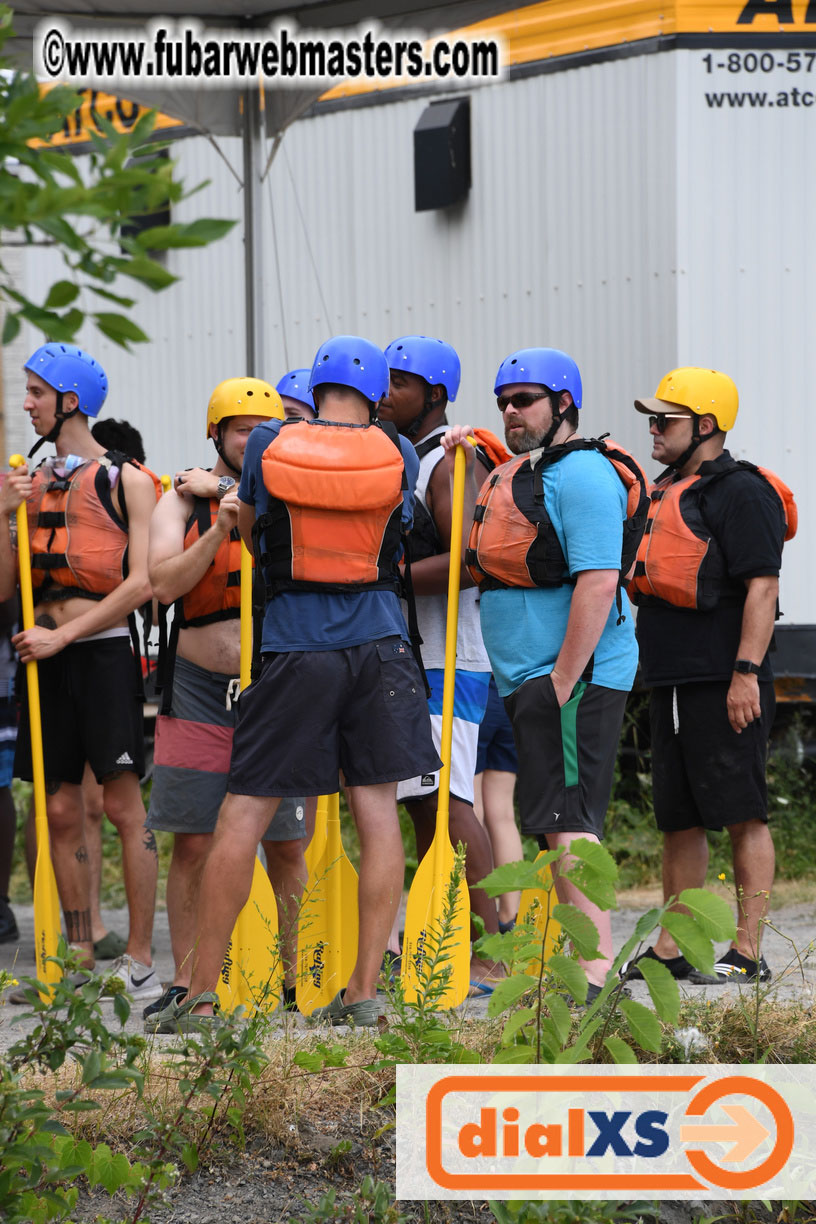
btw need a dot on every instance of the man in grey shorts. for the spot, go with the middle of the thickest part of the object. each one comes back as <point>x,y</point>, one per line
<point>194,562</point>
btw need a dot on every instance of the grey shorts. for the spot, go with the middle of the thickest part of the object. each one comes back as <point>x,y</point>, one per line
<point>192,755</point>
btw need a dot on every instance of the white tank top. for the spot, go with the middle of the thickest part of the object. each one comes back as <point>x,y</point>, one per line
<point>432,610</point>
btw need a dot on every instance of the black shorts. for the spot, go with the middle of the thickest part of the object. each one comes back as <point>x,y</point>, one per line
<point>91,707</point>
<point>566,755</point>
<point>312,713</point>
<point>704,773</point>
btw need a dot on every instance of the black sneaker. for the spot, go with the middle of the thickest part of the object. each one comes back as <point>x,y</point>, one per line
<point>593,990</point>
<point>164,1000</point>
<point>732,967</point>
<point>8,923</point>
<point>677,966</point>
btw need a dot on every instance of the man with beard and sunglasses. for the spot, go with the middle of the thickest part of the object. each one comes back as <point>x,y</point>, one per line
<point>546,548</point>
<point>706,584</point>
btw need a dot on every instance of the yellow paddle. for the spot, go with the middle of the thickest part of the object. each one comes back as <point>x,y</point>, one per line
<point>328,926</point>
<point>252,973</point>
<point>426,900</point>
<point>46,901</point>
<point>315,846</point>
<point>166,483</point>
<point>533,907</point>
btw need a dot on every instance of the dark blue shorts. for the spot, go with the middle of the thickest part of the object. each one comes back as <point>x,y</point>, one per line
<point>312,713</point>
<point>497,748</point>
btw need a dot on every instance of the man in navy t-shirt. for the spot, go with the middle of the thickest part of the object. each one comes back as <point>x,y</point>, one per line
<point>338,688</point>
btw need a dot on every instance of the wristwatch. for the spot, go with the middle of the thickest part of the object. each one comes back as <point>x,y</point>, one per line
<point>225,483</point>
<point>746,667</point>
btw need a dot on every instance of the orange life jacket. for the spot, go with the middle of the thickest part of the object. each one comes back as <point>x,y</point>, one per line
<point>77,530</point>
<point>513,542</point>
<point>334,517</point>
<point>679,560</point>
<point>216,596</point>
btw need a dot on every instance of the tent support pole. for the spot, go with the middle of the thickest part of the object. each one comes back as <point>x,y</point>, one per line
<point>253,244</point>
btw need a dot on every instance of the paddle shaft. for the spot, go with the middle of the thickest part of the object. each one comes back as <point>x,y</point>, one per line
<point>45,915</point>
<point>451,631</point>
<point>246,616</point>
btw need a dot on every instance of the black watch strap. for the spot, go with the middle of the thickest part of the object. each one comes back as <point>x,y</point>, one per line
<point>746,667</point>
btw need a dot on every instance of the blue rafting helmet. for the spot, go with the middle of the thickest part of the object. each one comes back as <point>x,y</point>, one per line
<point>434,360</point>
<point>295,384</point>
<point>351,361</point>
<point>549,367</point>
<point>68,368</point>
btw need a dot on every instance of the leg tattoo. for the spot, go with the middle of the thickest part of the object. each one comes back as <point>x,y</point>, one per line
<point>78,926</point>
<point>150,842</point>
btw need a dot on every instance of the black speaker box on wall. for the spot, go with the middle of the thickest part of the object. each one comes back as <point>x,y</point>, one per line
<point>442,155</point>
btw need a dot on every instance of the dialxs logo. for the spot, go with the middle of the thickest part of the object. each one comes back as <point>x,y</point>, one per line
<point>604,1131</point>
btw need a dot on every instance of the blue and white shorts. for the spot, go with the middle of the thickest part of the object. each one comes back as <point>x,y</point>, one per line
<point>469,704</point>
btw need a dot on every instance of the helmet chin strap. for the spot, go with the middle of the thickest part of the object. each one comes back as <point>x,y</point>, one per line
<point>683,459</point>
<point>557,420</point>
<point>54,434</point>
<point>219,446</point>
<point>428,407</point>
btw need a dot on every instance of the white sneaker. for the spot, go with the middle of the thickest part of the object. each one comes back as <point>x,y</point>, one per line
<point>131,977</point>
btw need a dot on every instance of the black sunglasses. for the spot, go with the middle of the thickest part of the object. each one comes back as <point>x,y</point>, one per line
<point>521,399</point>
<point>663,418</point>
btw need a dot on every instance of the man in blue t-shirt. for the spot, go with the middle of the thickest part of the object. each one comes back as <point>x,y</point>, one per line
<point>338,688</point>
<point>563,655</point>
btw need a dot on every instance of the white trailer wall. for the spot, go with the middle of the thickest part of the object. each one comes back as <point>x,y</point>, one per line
<point>565,239</point>
<point>746,254</point>
<point>613,213</point>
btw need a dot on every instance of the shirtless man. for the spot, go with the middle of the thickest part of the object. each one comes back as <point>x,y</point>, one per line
<point>195,562</point>
<point>88,577</point>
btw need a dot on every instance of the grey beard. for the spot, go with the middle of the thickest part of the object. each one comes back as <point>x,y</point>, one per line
<point>529,440</point>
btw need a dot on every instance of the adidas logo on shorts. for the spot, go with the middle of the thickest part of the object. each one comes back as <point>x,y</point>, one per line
<point>124,759</point>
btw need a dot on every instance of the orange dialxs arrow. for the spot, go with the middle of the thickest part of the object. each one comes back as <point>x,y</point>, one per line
<point>746,1134</point>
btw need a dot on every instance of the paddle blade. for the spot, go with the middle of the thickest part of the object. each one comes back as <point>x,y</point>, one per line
<point>315,847</point>
<point>437,927</point>
<point>535,908</point>
<point>328,926</point>
<point>46,919</point>
<point>252,973</point>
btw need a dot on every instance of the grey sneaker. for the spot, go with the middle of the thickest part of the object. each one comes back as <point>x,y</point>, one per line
<point>128,976</point>
<point>158,1005</point>
<point>178,1017</point>
<point>363,1014</point>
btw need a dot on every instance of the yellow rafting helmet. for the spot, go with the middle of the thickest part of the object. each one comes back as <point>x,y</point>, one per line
<point>243,397</point>
<point>701,391</point>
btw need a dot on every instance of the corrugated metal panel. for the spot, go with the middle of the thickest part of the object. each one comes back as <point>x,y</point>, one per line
<point>613,213</point>
<point>747,258</point>
<point>196,326</point>
<point>567,237</point>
